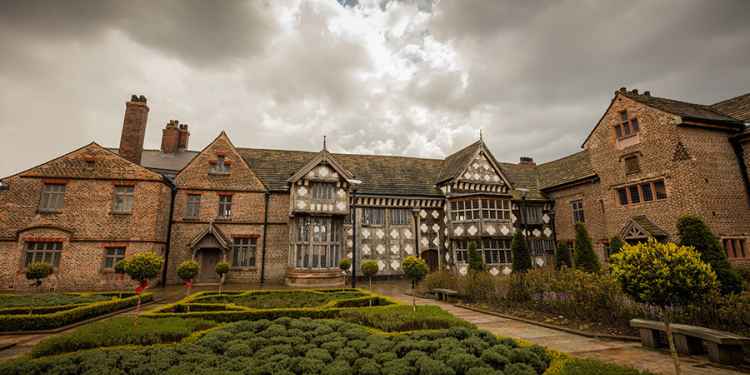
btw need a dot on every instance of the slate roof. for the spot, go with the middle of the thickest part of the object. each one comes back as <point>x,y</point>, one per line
<point>160,162</point>
<point>457,161</point>
<point>565,170</point>
<point>649,226</point>
<point>680,108</point>
<point>737,107</point>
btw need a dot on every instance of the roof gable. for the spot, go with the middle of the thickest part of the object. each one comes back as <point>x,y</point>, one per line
<point>475,164</point>
<point>326,158</point>
<point>197,173</point>
<point>737,107</point>
<point>92,162</point>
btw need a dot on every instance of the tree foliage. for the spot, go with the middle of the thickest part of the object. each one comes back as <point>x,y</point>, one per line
<point>615,245</point>
<point>222,268</point>
<point>187,270</point>
<point>370,268</point>
<point>694,232</point>
<point>38,271</point>
<point>414,268</point>
<point>663,274</point>
<point>345,264</point>
<point>563,257</point>
<point>521,257</point>
<point>476,263</point>
<point>143,266</point>
<point>585,258</point>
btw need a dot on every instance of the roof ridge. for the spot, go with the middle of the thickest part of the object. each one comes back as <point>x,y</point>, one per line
<point>340,153</point>
<point>708,107</point>
<point>730,99</point>
<point>564,157</point>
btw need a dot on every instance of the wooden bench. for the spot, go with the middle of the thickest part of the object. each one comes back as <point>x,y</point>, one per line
<point>447,295</point>
<point>722,347</point>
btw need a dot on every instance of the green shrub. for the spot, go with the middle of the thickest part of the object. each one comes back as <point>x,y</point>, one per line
<point>519,369</point>
<point>50,299</point>
<point>520,253</point>
<point>585,258</point>
<point>401,318</point>
<point>38,271</point>
<point>221,268</point>
<point>30,322</point>
<point>345,264</point>
<point>476,263</point>
<point>439,280</point>
<point>143,266</point>
<point>477,286</point>
<point>580,366</point>
<point>369,269</point>
<point>120,331</point>
<point>187,270</point>
<point>563,257</point>
<point>615,245</point>
<point>694,232</point>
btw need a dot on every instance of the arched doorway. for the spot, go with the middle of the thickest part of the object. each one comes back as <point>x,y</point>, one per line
<point>209,247</point>
<point>431,257</point>
<point>207,259</point>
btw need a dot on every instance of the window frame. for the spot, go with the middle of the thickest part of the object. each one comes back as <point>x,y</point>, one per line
<point>736,244</point>
<point>578,211</point>
<point>399,216</point>
<point>313,251</point>
<point>126,198</point>
<point>220,166</point>
<point>323,191</point>
<point>627,126</point>
<point>368,216</point>
<point>632,164</point>
<point>48,196</point>
<point>657,191</point>
<point>114,257</point>
<point>55,251</point>
<point>248,248</point>
<point>193,206</point>
<point>225,207</point>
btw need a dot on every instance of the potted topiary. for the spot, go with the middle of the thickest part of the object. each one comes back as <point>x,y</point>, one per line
<point>187,271</point>
<point>222,268</point>
<point>142,267</point>
<point>38,271</point>
<point>415,269</point>
<point>664,275</point>
<point>345,265</point>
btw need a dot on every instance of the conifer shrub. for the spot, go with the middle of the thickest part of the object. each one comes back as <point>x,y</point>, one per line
<point>476,263</point>
<point>563,257</point>
<point>615,245</point>
<point>520,253</point>
<point>694,232</point>
<point>585,258</point>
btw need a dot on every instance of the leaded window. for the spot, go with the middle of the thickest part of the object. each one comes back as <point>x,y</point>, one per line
<point>53,197</point>
<point>193,207</point>
<point>373,216</point>
<point>460,249</point>
<point>225,206</point>
<point>539,247</point>
<point>496,209</point>
<point>323,191</point>
<point>399,216</point>
<point>123,202</point>
<point>496,251</point>
<point>243,252</point>
<point>317,242</point>
<point>532,214</point>
<point>43,252</point>
<point>112,255</point>
<point>635,196</point>
<point>627,127</point>
<point>577,207</point>
<point>221,165</point>
<point>465,210</point>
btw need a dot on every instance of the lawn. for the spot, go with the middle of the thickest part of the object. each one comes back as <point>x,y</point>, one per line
<point>49,299</point>
<point>385,339</point>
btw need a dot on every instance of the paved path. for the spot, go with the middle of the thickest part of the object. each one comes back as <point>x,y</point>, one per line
<point>614,351</point>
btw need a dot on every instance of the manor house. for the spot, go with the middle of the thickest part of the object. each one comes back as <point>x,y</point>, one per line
<point>285,216</point>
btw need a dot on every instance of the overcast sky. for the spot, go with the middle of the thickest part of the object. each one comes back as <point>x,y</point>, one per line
<point>388,77</point>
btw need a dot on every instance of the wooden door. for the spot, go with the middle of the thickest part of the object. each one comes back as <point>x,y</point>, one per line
<point>431,257</point>
<point>208,260</point>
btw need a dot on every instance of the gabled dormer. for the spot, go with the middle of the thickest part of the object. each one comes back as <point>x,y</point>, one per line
<point>321,186</point>
<point>473,170</point>
<point>219,167</point>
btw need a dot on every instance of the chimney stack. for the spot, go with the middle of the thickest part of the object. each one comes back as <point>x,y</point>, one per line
<point>634,91</point>
<point>170,137</point>
<point>134,129</point>
<point>527,160</point>
<point>184,137</point>
<point>647,93</point>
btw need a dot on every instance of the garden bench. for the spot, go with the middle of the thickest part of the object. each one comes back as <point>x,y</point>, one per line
<point>447,295</point>
<point>722,347</point>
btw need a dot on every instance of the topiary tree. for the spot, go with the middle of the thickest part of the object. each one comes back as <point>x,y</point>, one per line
<point>694,232</point>
<point>415,269</point>
<point>221,269</point>
<point>187,271</point>
<point>370,268</point>
<point>563,257</point>
<point>142,267</point>
<point>345,265</point>
<point>664,275</point>
<point>521,257</point>
<point>615,245</point>
<point>585,258</point>
<point>476,263</point>
<point>38,271</point>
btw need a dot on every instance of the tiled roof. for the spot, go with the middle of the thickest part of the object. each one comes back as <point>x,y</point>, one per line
<point>649,226</point>
<point>684,109</point>
<point>522,176</point>
<point>568,169</point>
<point>737,107</point>
<point>164,163</point>
<point>457,161</point>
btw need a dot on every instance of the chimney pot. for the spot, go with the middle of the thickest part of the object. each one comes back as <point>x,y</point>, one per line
<point>184,136</point>
<point>527,160</point>
<point>623,89</point>
<point>647,93</point>
<point>634,91</point>
<point>134,129</point>
<point>170,138</point>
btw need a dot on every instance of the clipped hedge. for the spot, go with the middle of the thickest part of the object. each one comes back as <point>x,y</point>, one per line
<point>51,319</point>
<point>402,318</point>
<point>120,331</point>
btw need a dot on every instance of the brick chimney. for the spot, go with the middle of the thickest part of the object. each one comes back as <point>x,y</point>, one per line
<point>170,137</point>
<point>526,160</point>
<point>184,137</point>
<point>134,129</point>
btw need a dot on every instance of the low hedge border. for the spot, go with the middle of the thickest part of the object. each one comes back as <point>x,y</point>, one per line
<point>37,322</point>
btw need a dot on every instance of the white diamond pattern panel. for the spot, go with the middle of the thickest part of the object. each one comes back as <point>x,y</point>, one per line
<point>409,249</point>
<point>423,228</point>
<point>407,234</point>
<point>394,250</point>
<point>380,234</point>
<point>302,191</point>
<point>366,249</point>
<point>472,230</point>
<point>436,228</point>
<point>380,249</point>
<point>547,231</point>
<point>394,233</point>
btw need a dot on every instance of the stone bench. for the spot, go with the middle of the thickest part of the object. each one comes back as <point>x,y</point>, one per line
<point>447,295</point>
<point>722,347</point>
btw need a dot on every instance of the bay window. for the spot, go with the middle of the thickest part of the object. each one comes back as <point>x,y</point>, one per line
<point>317,242</point>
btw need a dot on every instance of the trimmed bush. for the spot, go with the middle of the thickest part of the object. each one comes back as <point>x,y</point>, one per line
<point>585,258</point>
<point>694,232</point>
<point>563,257</point>
<point>615,245</point>
<point>188,270</point>
<point>370,268</point>
<point>580,366</point>
<point>143,266</point>
<point>401,318</point>
<point>520,253</point>
<point>120,331</point>
<point>476,263</point>
<point>38,271</point>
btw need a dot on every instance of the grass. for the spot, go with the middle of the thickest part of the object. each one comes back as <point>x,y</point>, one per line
<point>580,366</point>
<point>120,331</point>
<point>48,299</point>
<point>281,299</point>
<point>401,318</point>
